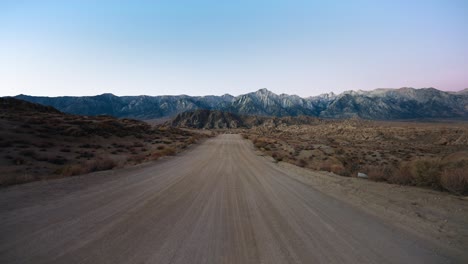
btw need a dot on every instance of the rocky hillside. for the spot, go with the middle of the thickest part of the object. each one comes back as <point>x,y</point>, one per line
<point>208,119</point>
<point>381,104</point>
<point>39,142</point>
<point>215,119</point>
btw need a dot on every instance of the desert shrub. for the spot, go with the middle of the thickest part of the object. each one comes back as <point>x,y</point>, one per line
<point>426,172</point>
<point>168,151</point>
<point>28,153</point>
<point>58,160</point>
<point>71,170</point>
<point>325,166</point>
<point>379,173</point>
<point>86,155</point>
<point>138,158</point>
<point>302,163</point>
<point>192,140</point>
<point>455,180</point>
<point>90,166</point>
<point>338,169</point>
<point>87,167</point>
<point>8,179</point>
<point>259,143</point>
<point>277,156</point>
<point>245,136</point>
<point>401,175</point>
<point>65,149</point>
<point>137,144</point>
<point>339,151</point>
<point>102,164</point>
<point>155,155</point>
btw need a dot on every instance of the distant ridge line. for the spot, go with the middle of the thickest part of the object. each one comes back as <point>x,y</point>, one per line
<point>378,104</point>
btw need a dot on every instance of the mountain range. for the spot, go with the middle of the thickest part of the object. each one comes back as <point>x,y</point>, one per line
<point>380,104</point>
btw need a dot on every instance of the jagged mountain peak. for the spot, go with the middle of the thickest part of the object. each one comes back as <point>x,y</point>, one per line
<point>264,91</point>
<point>383,103</point>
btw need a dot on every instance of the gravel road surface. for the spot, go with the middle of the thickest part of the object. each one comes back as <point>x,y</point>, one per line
<point>218,202</point>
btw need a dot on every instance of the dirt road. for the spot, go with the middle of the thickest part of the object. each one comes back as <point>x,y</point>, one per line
<point>217,203</point>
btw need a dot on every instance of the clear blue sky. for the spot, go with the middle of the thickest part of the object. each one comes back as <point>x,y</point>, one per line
<point>215,47</point>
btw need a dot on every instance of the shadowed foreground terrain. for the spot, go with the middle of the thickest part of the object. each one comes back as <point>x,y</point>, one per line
<point>216,203</point>
<point>39,142</point>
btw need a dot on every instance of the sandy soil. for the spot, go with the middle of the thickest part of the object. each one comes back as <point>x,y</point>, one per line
<point>219,202</point>
<point>433,215</point>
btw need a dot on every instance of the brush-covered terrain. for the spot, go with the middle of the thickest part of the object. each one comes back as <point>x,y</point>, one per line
<point>39,142</point>
<point>427,154</point>
<point>410,153</point>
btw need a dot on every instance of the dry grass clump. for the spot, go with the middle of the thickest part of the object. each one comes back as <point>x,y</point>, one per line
<point>401,175</point>
<point>87,167</point>
<point>277,156</point>
<point>165,151</point>
<point>265,144</point>
<point>169,151</point>
<point>302,163</point>
<point>379,173</point>
<point>155,155</point>
<point>338,169</point>
<point>6,179</point>
<point>324,166</point>
<point>137,158</point>
<point>425,172</point>
<point>71,170</point>
<point>259,143</point>
<point>192,140</point>
<point>101,164</point>
<point>455,180</point>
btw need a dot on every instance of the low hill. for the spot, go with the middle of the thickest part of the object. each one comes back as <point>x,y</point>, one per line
<point>40,142</point>
<point>214,119</point>
<point>208,119</point>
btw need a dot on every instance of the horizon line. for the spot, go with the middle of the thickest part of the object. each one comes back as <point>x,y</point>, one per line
<point>331,92</point>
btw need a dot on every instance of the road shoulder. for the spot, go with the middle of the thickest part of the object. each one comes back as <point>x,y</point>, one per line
<point>439,217</point>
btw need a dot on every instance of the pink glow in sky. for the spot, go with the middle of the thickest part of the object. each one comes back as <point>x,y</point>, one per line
<point>307,48</point>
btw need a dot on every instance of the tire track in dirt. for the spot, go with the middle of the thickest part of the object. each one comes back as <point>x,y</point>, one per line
<point>216,203</point>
